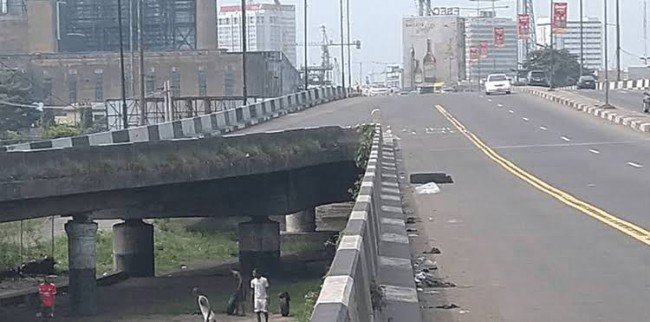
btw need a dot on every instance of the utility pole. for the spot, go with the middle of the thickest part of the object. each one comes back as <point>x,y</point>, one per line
<point>143,103</point>
<point>618,42</point>
<point>348,44</point>
<point>244,40</point>
<point>342,46</point>
<point>360,73</point>
<point>645,31</point>
<point>306,49</point>
<point>606,58</point>
<point>552,71</point>
<point>125,111</point>
<point>131,49</point>
<point>582,40</point>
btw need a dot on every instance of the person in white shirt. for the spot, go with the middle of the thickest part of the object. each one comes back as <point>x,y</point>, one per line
<point>204,306</point>
<point>260,286</point>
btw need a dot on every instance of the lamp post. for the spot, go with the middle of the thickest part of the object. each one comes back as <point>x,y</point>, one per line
<point>348,44</point>
<point>582,39</point>
<point>244,48</point>
<point>618,42</point>
<point>552,67</point>
<point>606,58</point>
<point>342,46</point>
<point>125,111</point>
<point>306,49</point>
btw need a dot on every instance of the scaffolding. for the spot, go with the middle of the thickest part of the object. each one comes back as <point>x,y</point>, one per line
<point>92,25</point>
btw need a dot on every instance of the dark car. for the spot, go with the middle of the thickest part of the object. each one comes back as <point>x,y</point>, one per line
<point>537,78</point>
<point>586,82</point>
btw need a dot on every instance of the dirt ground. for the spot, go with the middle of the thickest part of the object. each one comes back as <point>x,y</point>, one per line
<point>168,298</point>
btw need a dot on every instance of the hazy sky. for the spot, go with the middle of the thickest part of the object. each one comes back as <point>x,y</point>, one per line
<point>377,23</point>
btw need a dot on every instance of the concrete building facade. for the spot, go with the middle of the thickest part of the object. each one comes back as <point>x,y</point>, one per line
<point>499,60</point>
<point>592,36</point>
<point>271,27</point>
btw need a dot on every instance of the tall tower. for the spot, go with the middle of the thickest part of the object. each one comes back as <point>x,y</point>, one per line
<point>529,9</point>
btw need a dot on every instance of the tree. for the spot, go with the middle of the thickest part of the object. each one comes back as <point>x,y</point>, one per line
<point>60,131</point>
<point>15,88</point>
<point>566,68</point>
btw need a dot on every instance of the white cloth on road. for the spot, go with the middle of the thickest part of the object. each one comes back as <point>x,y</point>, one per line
<point>206,310</point>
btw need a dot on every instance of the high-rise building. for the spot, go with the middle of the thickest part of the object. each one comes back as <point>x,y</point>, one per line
<point>592,36</point>
<point>499,59</point>
<point>271,27</point>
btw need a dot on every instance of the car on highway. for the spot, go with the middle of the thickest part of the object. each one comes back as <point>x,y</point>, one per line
<point>537,78</point>
<point>497,83</point>
<point>586,82</point>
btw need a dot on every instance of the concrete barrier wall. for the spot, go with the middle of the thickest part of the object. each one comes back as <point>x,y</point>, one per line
<point>218,123</point>
<point>631,84</point>
<point>373,254</point>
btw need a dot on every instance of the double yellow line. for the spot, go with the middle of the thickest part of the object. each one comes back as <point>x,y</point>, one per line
<point>621,225</point>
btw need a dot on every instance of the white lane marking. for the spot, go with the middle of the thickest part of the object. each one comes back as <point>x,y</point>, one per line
<point>543,128</point>
<point>525,119</point>
<point>511,111</point>
<point>489,100</point>
<point>499,105</point>
<point>636,165</point>
<point>594,151</point>
<point>566,138</point>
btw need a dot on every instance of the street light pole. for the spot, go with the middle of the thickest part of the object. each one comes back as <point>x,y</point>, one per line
<point>342,46</point>
<point>348,44</point>
<point>552,71</point>
<point>618,42</point>
<point>244,49</point>
<point>125,111</point>
<point>582,40</point>
<point>606,57</point>
<point>306,49</point>
<point>143,103</point>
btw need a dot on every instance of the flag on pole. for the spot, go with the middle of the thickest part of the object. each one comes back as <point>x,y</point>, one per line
<point>560,17</point>
<point>523,24</point>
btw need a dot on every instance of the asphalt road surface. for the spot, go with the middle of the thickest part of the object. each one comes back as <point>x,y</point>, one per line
<point>546,215</point>
<point>629,99</point>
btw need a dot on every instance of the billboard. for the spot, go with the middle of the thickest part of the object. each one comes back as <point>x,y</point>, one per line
<point>523,26</point>
<point>560,17</point>
<point>433,50</point>
<point>474,53</point>
<point>499,36</point>
<point>484,48</point>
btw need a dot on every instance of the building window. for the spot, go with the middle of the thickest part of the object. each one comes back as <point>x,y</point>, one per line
<point>99,85</point>
<point>72,86</point>
<point>175,83</point>
<point>47,89</point>
<point>150,83</point>
<point>229,82</point>
<point>203,83</point>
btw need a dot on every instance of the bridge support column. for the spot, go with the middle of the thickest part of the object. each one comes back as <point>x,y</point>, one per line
<point>302,222</point>
<point>133,248</point>
<point>81,261</point>
<point>259,245</point>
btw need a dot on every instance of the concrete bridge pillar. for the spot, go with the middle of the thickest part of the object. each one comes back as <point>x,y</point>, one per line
<point>133,248</point>
<point>302,222</point>
<point>259,245</point>
<point>81,260</point>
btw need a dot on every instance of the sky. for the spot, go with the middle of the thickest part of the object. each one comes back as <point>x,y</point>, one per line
<point>378,23</point>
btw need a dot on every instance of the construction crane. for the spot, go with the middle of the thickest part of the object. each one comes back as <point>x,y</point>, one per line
<point>320,75</point>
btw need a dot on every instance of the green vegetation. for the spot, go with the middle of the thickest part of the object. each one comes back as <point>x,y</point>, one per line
<point>367,132</point>
<point>60,131</point>
<point>566,67</point>
<point>304,293</point>
<point>15,93</point>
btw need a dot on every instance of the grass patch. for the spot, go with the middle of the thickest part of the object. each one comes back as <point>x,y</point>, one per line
<point>175,244</point>
<point>294,247</point>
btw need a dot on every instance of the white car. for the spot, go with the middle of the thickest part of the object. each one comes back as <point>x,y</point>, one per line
<point>497,83</point>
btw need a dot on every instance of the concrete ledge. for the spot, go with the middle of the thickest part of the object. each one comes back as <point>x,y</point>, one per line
<point>217,122</point>
<point>638,122</point>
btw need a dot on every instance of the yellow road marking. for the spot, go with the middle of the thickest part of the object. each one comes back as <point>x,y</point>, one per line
<point>621,225</point>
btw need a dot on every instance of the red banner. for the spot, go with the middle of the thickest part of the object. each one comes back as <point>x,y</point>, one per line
<point>474,53</point>
<point>499,36</point>
<point>484,48</point>
<point>523,23</point>
<point>560,17</point>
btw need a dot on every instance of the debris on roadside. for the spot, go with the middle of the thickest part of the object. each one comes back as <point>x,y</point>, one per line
<point>427,189</point>
<point>434,250</point>
<point>448,306</point>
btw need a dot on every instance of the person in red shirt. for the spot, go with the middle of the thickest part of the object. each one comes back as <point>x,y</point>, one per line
<point>47,292</point>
